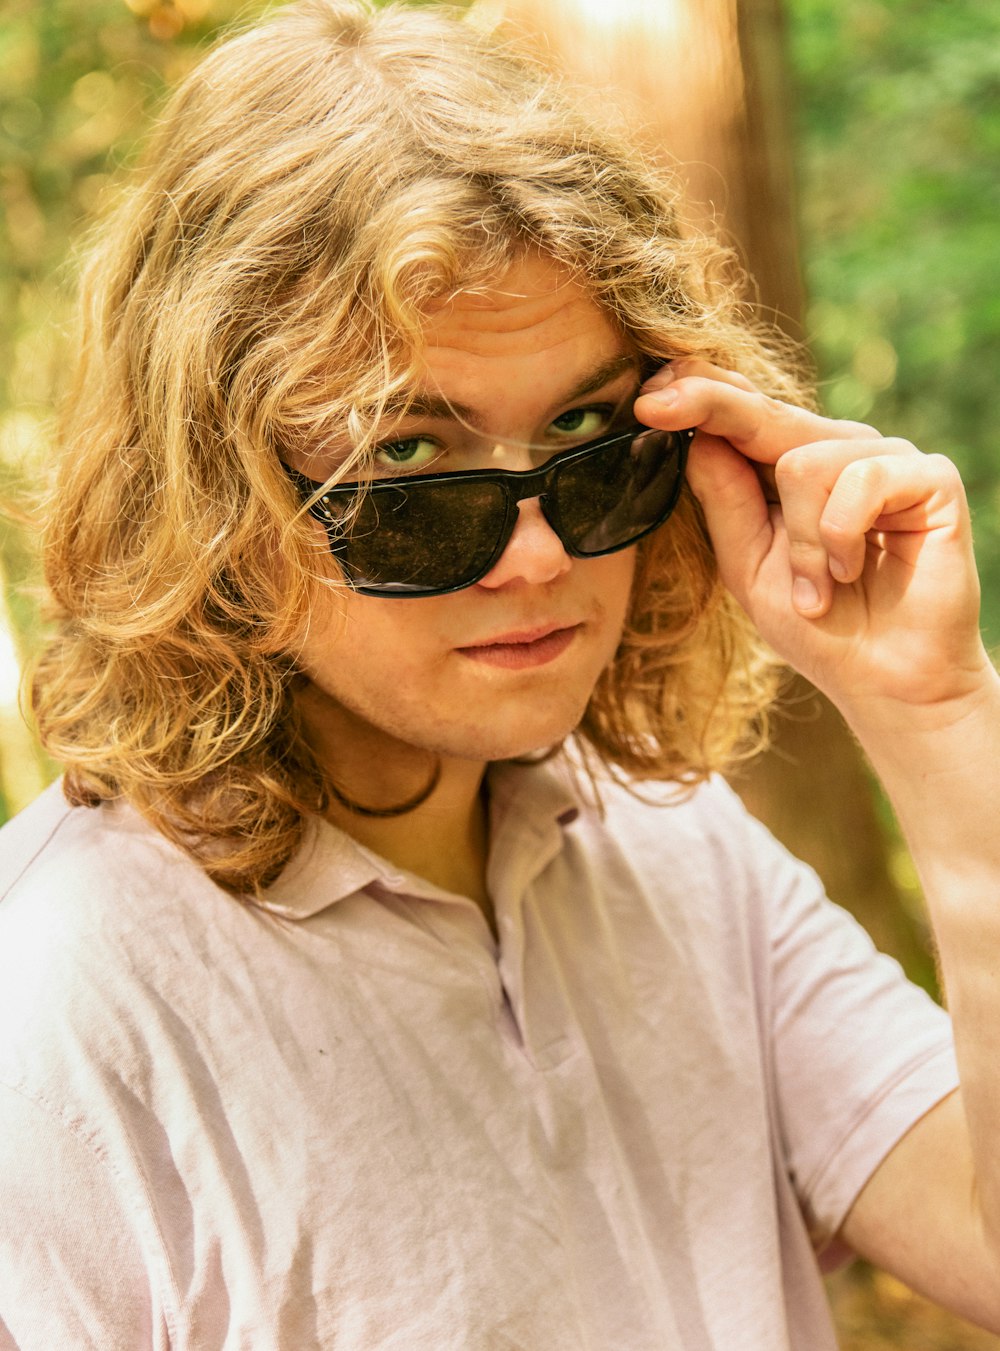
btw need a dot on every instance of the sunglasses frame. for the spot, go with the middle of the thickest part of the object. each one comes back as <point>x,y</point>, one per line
<point>518,485</point>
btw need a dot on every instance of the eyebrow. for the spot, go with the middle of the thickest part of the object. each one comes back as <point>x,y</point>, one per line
<point>436,406</point>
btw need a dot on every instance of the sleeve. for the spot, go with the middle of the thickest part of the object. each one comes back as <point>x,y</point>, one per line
<point>71,1271</point>
<point>860,1054</point>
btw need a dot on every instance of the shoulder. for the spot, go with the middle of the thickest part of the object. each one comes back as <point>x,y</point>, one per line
<point>97,913</point>
<point>76,877</point>
<point>707,810</point>
<point>57,856</point>
<point>28,834</point>
<point>686,865</point>
<point>52,847</point>
<point>676,844</point>
<point>700,835</point>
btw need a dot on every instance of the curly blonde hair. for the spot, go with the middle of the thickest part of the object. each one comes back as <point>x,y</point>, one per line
<point>309,188</point>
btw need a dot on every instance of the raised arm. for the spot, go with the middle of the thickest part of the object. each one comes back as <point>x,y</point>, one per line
<point>853,554</point>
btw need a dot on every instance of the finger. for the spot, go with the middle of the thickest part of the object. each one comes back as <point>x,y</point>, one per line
<point>895,500</point>
<point>736,513</point>
<point>758,426</point>
<point>825,548</point>
<point>693,366</point>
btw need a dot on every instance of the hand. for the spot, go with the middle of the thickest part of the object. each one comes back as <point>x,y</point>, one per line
<point>851,552</point>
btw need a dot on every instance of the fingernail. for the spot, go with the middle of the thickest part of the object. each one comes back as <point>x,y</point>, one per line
<point>804,594</point>
<point>664,397</point>
<point>658,379</point>
<point>837,570</point>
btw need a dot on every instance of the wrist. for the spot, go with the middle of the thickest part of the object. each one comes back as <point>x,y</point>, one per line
<point>927,712</point>
<point>937,761</point>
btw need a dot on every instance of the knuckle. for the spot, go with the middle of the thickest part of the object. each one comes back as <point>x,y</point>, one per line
<point>897,445</point>
<point>836,531</point>
<point>862,431</point>
<point>793,470</point>
<point>769,406</point>
<point>733,377</point>
<point>870,475</point>
<point>806,555</point>
<point>947,471</point>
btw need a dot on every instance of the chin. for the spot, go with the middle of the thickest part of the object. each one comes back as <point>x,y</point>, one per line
<point>528,739</point>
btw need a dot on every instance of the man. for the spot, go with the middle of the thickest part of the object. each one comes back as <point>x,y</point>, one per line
<point>356,997</point>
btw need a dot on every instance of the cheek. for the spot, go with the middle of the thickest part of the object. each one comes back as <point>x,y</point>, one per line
<point>358,642</point>
<point>616,583</point>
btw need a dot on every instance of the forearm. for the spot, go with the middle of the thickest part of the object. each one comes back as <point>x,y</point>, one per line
<point>941,770</point>
<point>861,576</point>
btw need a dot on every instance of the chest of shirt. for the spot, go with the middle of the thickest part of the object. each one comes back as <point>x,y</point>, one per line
<point>538,1136</point>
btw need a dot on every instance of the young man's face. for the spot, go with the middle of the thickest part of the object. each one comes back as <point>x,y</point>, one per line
<point>505,666</point>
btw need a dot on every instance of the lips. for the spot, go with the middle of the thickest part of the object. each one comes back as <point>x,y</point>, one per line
<point>522,648</point>
<point>518,636</point>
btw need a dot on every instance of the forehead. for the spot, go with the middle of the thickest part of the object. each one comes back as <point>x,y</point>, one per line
<point>537,311</point>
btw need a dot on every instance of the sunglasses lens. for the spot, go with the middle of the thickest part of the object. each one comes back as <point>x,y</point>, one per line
<point>425,537</point>
<point>606,500</point>
<point>430,537</point>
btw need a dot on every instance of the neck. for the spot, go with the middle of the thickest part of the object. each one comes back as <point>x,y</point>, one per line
<point>442,839</point>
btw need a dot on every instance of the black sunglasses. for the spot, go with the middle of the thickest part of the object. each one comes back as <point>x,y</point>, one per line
<point>428,534</point>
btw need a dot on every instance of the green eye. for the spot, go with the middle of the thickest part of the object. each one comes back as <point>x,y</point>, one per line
<point>413,452</point>
<point>584,423</point>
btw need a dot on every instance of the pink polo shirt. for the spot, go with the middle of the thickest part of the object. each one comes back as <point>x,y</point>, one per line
<point>351,1120</point>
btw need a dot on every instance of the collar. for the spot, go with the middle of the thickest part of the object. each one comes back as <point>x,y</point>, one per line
<point>530,805</point>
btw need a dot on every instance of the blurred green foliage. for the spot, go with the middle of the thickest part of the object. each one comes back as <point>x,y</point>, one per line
<point>898,122</point>
<point>898,142</point>
<point>78,79</point>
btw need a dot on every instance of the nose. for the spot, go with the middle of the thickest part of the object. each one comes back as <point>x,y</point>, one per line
<point>534,552</point>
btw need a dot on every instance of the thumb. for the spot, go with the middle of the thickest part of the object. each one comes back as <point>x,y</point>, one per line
<point>735,510</point>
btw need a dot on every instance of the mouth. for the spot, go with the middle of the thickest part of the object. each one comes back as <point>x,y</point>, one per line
<point>523,648</point>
